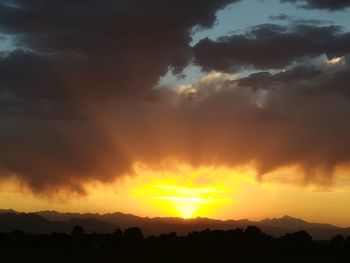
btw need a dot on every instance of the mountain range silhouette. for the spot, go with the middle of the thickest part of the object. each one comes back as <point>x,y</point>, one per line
<point>51,221</point>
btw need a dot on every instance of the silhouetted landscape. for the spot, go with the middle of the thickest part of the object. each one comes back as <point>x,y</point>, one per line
<point>92,237</point>
<point>51,221</point>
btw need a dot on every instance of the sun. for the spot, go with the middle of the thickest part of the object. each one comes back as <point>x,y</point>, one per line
<point>179,190</point>
<point>187,201</point>
<point>187,210</point>
<point>186,207</point>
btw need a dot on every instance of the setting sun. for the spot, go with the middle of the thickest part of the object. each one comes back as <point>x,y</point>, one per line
<point>188,201</point>
<point>179,190</point>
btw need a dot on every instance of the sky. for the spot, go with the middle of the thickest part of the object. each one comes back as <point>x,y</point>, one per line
<point>219,108</point>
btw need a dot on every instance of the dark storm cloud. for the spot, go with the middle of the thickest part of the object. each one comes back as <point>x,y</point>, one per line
<point>72,56</point>
<point>49,155</point>
<point>310,81</point>
<point>270,46</point>
<point>296,117</point>
<point>332,5</point>
<point>295,74</point>
<point>29,75</point>
<point>78,103</point>
<point>101,45</point>
<point>347,60</point>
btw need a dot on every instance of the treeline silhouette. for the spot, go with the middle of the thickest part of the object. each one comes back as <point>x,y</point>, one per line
<point>238,245</point>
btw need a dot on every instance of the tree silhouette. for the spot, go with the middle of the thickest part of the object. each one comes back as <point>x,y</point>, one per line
<point>133,236</point>
<point>77,231</point>
<point>249,245</point>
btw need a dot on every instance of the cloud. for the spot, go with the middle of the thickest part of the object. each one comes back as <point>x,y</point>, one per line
<point>71,59</point>
<point>78,101</point>
<point>271,46</point>
<point>95,49</point>
<point>332,5</point>
<point>297,117</point>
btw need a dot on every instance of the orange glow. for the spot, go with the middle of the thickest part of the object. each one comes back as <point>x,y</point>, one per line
<point>186,201</point>
<point>179,190</point>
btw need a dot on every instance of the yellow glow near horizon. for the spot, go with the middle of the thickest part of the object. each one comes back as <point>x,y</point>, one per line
<point>187,201</point>
<point>179,190</point>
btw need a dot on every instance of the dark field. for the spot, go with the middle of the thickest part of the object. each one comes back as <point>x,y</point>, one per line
<point>249,245</point>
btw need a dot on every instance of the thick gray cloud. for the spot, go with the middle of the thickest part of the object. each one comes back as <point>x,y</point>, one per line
<point>311,81</point>
<point>271,46</point>
<point>72,59</point>
<point>297,117</point>
<point>78,103</point>
<point>96,48</point>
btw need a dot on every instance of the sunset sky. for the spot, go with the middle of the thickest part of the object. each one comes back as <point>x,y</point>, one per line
<point>225,109</point>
